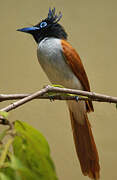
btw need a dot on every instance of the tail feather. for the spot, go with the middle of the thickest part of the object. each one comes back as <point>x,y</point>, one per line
<point>85,147</point>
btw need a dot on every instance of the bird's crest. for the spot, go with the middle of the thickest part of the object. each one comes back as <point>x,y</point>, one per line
<point>52,17</point>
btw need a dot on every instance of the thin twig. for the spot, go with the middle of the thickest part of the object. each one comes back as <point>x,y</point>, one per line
<point>92,95</point>
<point>25,100</point>
<point>6,97</point>
<point>88,96</point>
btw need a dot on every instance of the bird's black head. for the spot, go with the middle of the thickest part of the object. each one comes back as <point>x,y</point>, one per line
<point>48,27</point>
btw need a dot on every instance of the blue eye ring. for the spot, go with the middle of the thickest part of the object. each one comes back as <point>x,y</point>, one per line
<point>43,24</point>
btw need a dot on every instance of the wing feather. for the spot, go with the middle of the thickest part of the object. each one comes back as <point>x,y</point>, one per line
<point>74,61</point>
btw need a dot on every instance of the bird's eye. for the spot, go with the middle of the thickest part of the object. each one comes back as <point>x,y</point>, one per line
<point>43,24</point>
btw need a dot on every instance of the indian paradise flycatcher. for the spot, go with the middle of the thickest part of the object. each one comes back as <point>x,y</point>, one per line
<point>63,66</point>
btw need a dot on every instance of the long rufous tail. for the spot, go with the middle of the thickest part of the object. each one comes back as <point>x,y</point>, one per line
<point>85,146</point>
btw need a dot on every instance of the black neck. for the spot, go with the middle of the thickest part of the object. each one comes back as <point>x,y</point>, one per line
<point>55,30</point>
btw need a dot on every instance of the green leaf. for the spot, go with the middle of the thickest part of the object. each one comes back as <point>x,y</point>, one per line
<point>5,151</point>
<point>4,114</point>
<point>8,172</point>
<point>57,85</point>
<point>3,134</point>
<point>30,158</point>
<point>21,172</point>
<point>4,177</point>
<point>32,149</point>
<point>17,171</point>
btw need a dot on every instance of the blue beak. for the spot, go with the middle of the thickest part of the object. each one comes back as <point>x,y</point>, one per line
<point>28,29</point>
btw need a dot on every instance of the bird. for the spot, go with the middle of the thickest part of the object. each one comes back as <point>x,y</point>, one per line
<point>62,65</point>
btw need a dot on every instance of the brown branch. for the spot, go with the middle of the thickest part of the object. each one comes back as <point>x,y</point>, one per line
<point>88,96</point>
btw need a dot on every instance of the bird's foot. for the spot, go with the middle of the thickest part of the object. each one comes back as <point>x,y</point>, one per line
<point>77,98</point>
<point>51,98</point>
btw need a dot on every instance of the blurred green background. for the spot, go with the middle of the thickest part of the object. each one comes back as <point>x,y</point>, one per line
<point>92,29</point>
